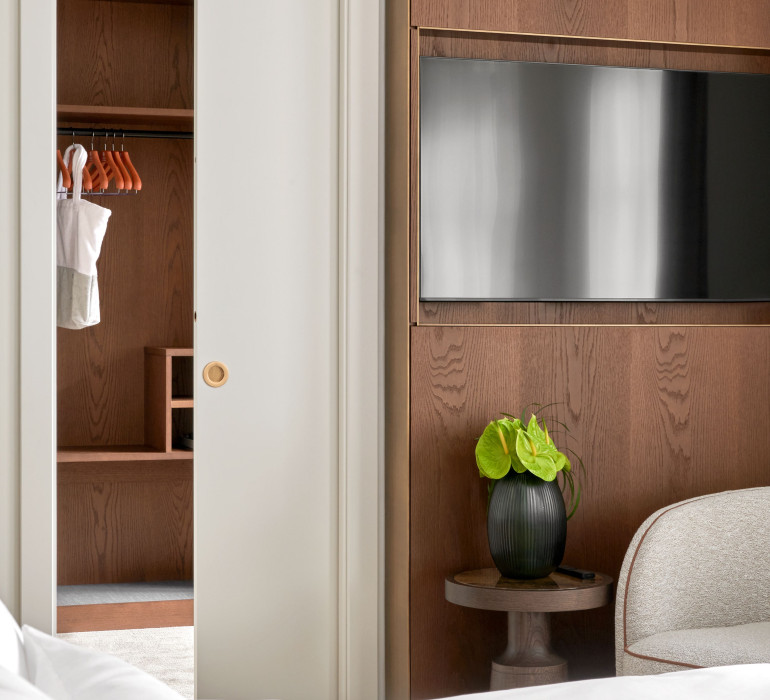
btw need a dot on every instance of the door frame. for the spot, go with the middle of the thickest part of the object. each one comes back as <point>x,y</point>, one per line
<point>37,326</point>
<point>360,472</point>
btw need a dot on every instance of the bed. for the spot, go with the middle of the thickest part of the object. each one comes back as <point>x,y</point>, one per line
<point>747,682</point>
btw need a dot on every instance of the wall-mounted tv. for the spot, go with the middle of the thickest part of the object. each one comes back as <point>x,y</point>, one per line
<point>547,181</point>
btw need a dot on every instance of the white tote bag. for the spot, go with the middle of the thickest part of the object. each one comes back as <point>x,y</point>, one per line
<point>80,226</point>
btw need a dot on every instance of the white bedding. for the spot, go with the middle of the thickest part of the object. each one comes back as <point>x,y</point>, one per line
<point>745,682</point>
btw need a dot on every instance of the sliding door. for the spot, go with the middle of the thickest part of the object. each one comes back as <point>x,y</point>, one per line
<point>266,302</point>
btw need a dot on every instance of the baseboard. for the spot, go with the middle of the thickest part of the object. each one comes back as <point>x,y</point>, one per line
<point>123,616</point>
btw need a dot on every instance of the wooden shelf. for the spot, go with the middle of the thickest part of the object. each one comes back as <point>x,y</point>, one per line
<point>101,117</point>
<point>118,453</point>
<point>170,352</point>
<point>168,384</point>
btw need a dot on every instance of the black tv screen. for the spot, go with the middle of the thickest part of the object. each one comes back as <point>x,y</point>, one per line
<point>570,182</point>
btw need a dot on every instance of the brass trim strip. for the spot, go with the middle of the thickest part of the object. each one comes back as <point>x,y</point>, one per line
<point>579,37</point>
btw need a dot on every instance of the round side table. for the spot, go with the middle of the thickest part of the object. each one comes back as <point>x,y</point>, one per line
<point>528,659</point>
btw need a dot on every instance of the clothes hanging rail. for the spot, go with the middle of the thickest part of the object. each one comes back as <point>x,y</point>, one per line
<point>127,133</point>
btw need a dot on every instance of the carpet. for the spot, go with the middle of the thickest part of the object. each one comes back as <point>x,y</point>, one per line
<point>124,592</point>
<point>166,653</point>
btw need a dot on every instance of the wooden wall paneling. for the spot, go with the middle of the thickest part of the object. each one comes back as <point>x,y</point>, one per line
<point>146,291</point>
<point>125,54</point>
<point>157,401</point>
<point>657,413</point>
<point>124,616</point>
<point>506,47</point>
<point>127,521</point>
<point>689,21</point>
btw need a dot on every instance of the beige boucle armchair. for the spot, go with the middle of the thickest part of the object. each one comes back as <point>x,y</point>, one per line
<point>694,589</point>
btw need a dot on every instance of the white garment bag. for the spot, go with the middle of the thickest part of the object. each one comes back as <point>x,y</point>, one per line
<point>81,226</point>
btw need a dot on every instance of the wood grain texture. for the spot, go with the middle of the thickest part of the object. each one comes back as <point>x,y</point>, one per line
<point>486,589</point>
<point>146,290</point>
<point>117,453</point>
<point>502,47</point>
<point>127,521</point>
<point>528,659</point>
<point>150,118</point>
<point>690,21</point>
<point>124,616</point>
<point>125,54</point>
<point>157,401</point>
<point>651,409</point>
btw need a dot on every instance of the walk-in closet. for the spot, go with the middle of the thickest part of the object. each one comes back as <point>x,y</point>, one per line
<point>125,403</point>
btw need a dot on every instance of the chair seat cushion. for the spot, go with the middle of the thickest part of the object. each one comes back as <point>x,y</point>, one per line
<point>710,646</point>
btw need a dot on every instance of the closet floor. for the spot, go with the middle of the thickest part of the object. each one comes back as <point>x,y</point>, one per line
<point>121,606</point>
<point>143,592</point>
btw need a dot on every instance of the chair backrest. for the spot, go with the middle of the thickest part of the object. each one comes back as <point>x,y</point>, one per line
<point>700,563</point>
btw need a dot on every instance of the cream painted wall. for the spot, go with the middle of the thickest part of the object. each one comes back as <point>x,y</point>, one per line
<point>9,305</point>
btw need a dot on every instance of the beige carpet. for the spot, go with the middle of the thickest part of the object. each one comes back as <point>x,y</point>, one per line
<point>164,652</point>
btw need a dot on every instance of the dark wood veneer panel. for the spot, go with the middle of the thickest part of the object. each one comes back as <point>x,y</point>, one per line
<point>657,412</point>
<point>124,616</point>
<point>126,521</point>
<point>745,23</point>
<point>146,292</point>
<point>125,54</point>
<point>594,313</point>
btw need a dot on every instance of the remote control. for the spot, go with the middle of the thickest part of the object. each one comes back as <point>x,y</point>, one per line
<point>577,573</point>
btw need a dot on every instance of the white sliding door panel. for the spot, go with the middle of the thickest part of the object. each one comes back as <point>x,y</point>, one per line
<point>266,562</point>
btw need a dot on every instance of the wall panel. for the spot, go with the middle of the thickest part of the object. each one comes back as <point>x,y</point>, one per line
<point>658,415</point>
<point>691,21</point>
<point>124,521</point>
<point>103,50</point>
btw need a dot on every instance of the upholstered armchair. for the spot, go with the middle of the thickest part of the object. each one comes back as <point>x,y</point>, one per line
<point>694,589</point>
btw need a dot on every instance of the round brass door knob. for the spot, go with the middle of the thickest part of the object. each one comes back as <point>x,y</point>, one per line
<point>215,374</point>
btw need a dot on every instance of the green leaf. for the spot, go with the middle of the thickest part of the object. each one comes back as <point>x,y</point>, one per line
<point>544,468</point>
<point>534,430</point>
<point>525,449</point>
<point>493,450</point>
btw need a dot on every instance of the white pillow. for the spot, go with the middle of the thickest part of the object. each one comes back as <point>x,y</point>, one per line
<point>11,644</point>
<point>69,672</point>
<point>13,687</point>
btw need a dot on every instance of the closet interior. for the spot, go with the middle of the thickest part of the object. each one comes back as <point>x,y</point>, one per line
<point>125,403</point>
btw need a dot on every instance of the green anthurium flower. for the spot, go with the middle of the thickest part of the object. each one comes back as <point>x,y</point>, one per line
<point>507,444</point>
<point>537,452</point>
<point>495,450</point>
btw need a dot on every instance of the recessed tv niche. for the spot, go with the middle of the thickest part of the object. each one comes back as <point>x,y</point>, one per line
<point>568,182</point>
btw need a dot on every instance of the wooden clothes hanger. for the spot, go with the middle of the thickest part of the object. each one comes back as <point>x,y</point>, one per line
<point>135,179</point>
<point>67,172</point>
<point>127,181</point>
<point>95,169</point>
<point>66,180</point>
<point>102,167</point>
<point>110,167</point>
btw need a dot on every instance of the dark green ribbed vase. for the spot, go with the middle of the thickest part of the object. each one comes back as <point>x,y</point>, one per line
<point>526,526</point>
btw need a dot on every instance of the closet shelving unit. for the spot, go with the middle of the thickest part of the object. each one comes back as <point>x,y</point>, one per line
<point>167,389</point>
<point>124,490</point>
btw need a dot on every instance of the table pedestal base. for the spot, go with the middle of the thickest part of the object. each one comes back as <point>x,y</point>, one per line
<point>528,659</point>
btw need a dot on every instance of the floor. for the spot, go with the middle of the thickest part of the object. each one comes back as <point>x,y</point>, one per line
<point>166,653</point>
<point>124,592</point>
